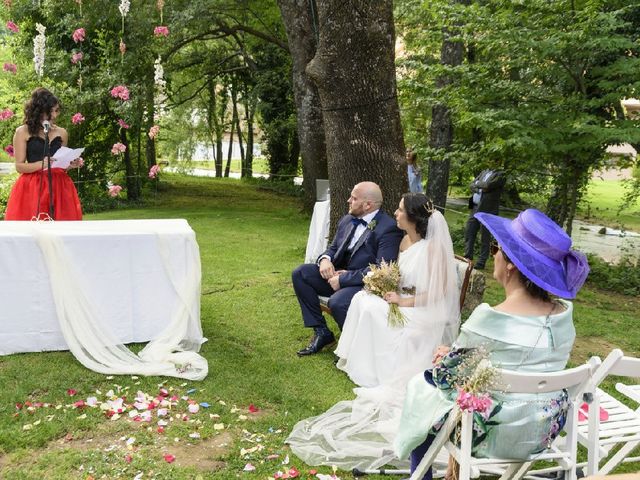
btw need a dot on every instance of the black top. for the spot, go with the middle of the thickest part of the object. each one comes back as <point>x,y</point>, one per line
<point>35,148</point>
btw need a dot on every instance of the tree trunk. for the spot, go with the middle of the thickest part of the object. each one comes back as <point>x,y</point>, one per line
<point>247,168</point>
<point>300,22</point>
<point>230,149</point>
<point>358,95</point>
<point>441,130</point>
<point>238,128</point>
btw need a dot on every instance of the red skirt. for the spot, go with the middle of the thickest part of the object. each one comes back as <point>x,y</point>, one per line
<point>23,200</point>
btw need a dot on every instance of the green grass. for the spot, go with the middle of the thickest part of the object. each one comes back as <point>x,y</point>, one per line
<point>250,240</point>
<point>602,205</point>
<point>260,165</point>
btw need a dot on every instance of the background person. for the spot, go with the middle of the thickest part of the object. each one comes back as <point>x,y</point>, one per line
<point>530,331</point>
<point>414,173</point>
<point>486,190</point>
<point>29,198</point>
<point>367,235</point>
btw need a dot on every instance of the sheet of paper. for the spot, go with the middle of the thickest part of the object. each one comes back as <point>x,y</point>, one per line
<point>64,156</point>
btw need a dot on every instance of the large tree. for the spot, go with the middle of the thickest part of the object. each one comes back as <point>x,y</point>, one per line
<point>354,71</point>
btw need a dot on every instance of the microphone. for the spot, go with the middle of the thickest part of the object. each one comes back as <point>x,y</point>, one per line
<point>46,125</point>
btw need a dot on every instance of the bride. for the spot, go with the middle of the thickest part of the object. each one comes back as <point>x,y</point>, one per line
<point>382,359</point>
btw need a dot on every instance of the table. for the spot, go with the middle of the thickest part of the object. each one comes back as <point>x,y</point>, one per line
<point>122,267</point>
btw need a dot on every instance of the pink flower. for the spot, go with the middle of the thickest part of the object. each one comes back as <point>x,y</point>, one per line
<point>77,118</point>
<point>123,47</point>
<point>9,150</point>
<point>153,131</point>
<point>78,35</point>
<point>122,124</point>
<point>114,190</point>
<point>161,31</point>
<point>118,148</point>
<point>12,26</point>
<point>153,171</point>
<point>71,392</point>
<point>77,57</point>
<point>6,114</point>
<point>169,458</point>
<point>10,67</point>
<point>80,161</point>
<point>472,403</point>
<point>120,92</point>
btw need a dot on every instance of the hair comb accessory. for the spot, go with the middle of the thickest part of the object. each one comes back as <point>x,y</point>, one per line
<point>429,207</point>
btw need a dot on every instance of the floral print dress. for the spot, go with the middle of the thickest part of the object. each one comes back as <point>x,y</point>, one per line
<point>516,425</point>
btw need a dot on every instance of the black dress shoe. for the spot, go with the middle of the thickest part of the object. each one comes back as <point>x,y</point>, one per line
<point>318,342</point>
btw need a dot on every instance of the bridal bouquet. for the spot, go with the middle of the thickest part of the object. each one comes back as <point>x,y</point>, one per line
<point>382,279</point>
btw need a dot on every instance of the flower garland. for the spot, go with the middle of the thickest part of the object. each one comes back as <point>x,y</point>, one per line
<point>39,49</point>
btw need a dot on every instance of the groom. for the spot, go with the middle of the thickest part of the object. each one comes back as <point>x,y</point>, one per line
<point>367,235</point>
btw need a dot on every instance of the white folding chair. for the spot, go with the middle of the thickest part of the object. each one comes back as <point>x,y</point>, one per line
<point>576,381</point>
<point>621,428</point>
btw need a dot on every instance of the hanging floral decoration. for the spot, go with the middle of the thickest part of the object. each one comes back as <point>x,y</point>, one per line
<point>123,48</point>
<point>121,92</point>
<point>160,95</point>
<point>154,171</point>
<point>77,118</point>
<point>12,27</point>
<point>161,31</point>
<point>6,114</point>
<point>39,42</point>
<point>114,190</point>
<point>77,58</point>
<point>160,6</point>
<point>153,132</point>
<point>9,150</point>
<point>118,148</point>
<point>10,67</point>
<point>79,35</point>
<point>123,124</point>
<point>124,10</point>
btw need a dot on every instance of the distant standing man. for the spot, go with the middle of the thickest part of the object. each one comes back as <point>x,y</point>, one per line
<point>486,190</point>
<point>413,172</point>
<point>367,235</point>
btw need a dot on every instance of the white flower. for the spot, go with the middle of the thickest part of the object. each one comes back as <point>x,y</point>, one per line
<point>124,7</point>
<point>160,95</point>
<point>39,48</point>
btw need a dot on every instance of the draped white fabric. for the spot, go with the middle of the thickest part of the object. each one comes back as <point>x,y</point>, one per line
<point>318,231</point>
<point>382,359</point>
<point>84,324</point>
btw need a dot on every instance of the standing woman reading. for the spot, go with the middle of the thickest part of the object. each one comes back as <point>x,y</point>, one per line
<point>29,199</point>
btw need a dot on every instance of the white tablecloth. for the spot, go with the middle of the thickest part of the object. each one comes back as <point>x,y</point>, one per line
<point>318,231</point>
<point>118,261</point>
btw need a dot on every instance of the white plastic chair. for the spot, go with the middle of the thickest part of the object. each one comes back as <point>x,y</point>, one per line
<point>622,427</point>
<point>576,381</point>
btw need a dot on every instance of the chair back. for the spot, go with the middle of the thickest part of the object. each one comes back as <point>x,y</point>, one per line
<point>575,380</point>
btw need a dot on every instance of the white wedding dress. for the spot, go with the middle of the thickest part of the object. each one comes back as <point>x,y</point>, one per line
<point>382,359</point>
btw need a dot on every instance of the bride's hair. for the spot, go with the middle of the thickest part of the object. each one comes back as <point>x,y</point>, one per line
<point>418,208</point>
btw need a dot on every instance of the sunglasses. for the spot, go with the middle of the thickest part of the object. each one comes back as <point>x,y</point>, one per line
<point>494,248</point>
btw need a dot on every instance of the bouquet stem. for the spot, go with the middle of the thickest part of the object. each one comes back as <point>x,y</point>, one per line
<point>396,318</point>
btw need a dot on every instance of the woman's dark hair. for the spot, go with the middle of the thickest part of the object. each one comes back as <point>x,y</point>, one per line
<point>532,289</point>
<point>42,101</point>
<point>418,208</point>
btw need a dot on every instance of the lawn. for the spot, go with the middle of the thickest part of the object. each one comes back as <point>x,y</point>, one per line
<point>250,239</point>
<point>602,205</point>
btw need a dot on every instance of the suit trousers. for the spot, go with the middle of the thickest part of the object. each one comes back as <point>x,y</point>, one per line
<point>308,284</point>
<point>470,234</point>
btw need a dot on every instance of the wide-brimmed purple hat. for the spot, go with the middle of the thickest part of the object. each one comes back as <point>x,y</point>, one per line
<point>540,249</point>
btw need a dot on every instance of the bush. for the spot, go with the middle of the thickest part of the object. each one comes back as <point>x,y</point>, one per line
<point>623,277</point>
<point>6,182</point>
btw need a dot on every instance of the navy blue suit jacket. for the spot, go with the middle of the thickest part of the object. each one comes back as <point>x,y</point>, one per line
<point>375,244</point>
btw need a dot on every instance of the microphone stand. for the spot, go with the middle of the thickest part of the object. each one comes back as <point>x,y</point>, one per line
<point>52,210</point>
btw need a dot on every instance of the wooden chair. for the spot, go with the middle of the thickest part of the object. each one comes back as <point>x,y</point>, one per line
<point>621,428</point>
<point>576,380</point>
<point>464,269</point>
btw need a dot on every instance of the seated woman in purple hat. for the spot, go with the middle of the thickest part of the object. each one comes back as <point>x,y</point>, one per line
<point>530,331</point>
